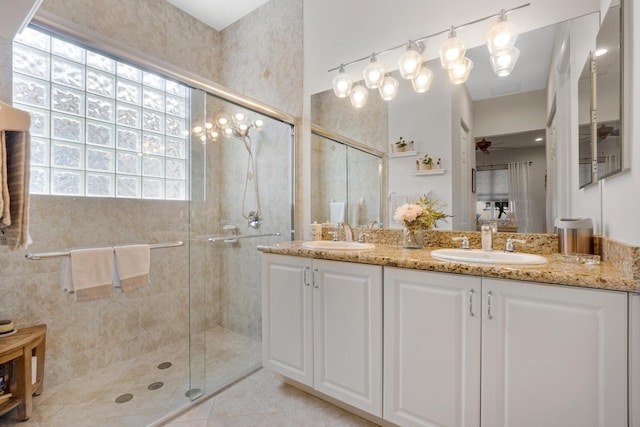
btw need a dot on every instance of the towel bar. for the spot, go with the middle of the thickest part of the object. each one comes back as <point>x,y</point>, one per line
<point>36,257</point>
<point>232,238</point>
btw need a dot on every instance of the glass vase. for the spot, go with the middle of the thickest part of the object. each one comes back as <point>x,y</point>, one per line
<point>412,238</point>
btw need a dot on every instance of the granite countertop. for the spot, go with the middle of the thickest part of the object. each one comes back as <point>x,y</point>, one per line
<point>600,276</point>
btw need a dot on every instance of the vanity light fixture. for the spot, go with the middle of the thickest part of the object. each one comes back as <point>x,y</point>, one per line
<point>502,36</point>
<point>342,83</point>
<point>358,96</point>
<point>461,71</point>
<point>504,61</point>
<point>500,42</point>
<point>389,88</point>
<point>452,50</point>
<point>374,73</point>
<point>422,81</point>
<point>411,60</point>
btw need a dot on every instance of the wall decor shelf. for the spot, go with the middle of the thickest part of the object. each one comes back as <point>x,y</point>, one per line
<point>403,154</point>
<point>429,172</point>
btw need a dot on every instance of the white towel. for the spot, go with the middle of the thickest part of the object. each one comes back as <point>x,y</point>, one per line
<point>132,266</point>
<point>88,273</point>
<point>336,212</point>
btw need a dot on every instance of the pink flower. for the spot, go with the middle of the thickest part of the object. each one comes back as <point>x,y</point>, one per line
<point>407,213</point>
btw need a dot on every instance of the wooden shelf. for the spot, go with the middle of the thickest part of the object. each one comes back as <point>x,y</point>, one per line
<point>403,154</point>
<point>9,405</point>
<point>429,172</point>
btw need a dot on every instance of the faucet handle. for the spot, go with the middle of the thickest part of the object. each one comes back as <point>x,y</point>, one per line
<point>509,246</point>
<point>464,240</point>
<point>361,236</point>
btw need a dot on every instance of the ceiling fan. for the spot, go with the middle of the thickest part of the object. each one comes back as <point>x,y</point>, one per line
<point>483,145</point>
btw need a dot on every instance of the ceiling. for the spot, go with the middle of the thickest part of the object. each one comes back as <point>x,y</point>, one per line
<point>218,14</point>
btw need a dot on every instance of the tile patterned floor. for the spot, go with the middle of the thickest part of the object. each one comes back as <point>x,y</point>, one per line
<point>90,401</point>
<point>263,400</point>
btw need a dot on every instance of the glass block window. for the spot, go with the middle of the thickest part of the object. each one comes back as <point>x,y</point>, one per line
<point>99,127</point>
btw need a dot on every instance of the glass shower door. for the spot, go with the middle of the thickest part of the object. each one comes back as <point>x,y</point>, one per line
<point>242,187</point>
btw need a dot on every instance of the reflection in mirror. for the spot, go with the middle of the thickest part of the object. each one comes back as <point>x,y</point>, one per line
<point>585,134</point>
<point>608,93</point>
<point>345,183</point>
<point>494,108</point>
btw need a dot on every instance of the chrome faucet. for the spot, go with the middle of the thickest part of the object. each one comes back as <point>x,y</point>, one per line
<point>348,232</point>
<point>487,237</point>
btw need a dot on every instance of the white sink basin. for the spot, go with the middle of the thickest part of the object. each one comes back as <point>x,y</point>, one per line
<point>488,257</point>
<point>330,245</point>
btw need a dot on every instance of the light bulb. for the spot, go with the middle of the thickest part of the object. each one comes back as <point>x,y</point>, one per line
<point>373,74</point>
<point>410,61</point>
<point>203,138</point>
<point>197,129</point>
<point>223,120</point>
<point>228,131</point>
<point>422,82</point>
<point>214,134</point>
<point>504,61</point>
<point>502,36</point>
<point>341,84</point>
<point>461,71</point>
<point>239,117</point>
<point>258,123</point>
<point>389,88</point>
<point>208,125</point>
<point>451,51</point>
<point>359,95</point>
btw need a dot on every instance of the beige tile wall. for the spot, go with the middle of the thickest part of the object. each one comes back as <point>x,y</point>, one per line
<point>86,336</point>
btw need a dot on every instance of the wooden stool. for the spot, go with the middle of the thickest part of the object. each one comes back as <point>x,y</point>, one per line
<point>20,347</point>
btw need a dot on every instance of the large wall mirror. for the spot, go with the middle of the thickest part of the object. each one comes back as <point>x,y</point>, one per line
<point>346,180</point>
<point>530,117</point>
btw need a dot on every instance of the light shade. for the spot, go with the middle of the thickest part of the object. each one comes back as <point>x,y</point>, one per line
<point>502,36</point>
<point>503,61</point>
<point>422,82</point>
<point>389,88</point>
<point>451,51</point>
<point>410,61</point>
<point>461,71</point>
<point>358,96</point>
<point>342,84</point>
<point>373,74</point>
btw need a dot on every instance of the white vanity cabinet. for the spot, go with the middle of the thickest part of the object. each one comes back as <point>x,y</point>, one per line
<point>432,348</point>
<point>322,326</point>
<point>553,356</point>
<point>466,351</point>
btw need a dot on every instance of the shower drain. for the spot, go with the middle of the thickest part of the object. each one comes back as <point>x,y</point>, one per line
<point>164,365</point>
<point>155,386</point>
<point>124,398</point>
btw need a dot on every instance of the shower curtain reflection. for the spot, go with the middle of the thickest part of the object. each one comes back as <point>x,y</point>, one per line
<point>241,175</point>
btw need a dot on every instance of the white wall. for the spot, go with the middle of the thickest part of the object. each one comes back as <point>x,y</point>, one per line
<point>510,114</point>
<point>425,119</point>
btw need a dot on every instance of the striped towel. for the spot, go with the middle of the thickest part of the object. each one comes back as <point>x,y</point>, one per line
<point>16,145</point>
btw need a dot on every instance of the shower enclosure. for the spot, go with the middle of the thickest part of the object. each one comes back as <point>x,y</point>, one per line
<point>241,196</point>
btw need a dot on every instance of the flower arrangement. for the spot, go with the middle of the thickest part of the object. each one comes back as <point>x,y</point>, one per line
<point>421,215</point>
<point>426,160</point>
<point>401,142</point>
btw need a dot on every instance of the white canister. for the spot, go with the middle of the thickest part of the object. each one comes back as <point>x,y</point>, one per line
<point>316,231</point>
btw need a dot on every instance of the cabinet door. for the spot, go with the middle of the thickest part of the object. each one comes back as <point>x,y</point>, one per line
<point>348,333</point>
<point>287,329</point>
<point>553,356</point>
<point>432,325</point>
